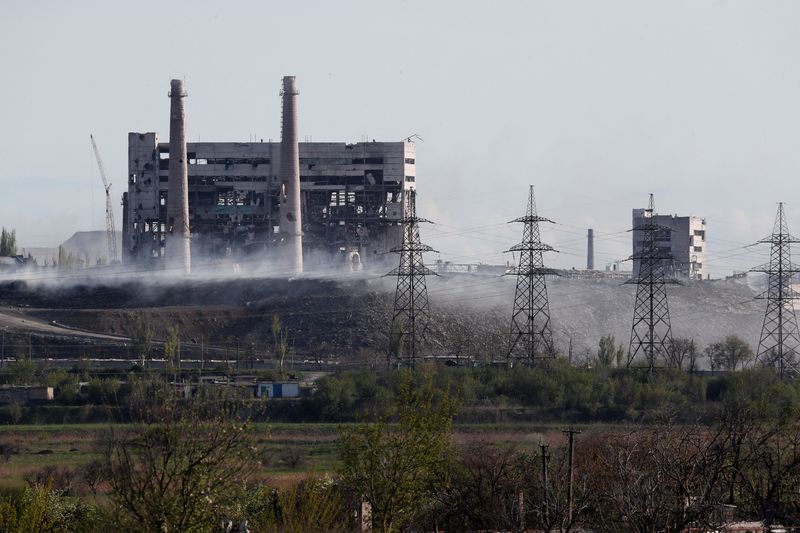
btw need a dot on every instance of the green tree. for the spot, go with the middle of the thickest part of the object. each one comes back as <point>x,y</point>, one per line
<point>142,339</point>
<point>23,371</point>
<point>8,242</point>
<point>65,385</point>
<point>172,350</point>
<point>396,341</point>
<point>399,467</point>
<point>732,353</point>
<point>681,354</point>
<point>181,466</point>
<point>281,341</point>
<point>15,412</point>
<point>608,353</point>
<point>38,508</point>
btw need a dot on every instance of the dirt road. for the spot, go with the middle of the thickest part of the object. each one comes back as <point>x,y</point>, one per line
<point>16,320</point>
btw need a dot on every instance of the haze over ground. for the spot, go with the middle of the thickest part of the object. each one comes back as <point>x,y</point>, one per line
<point>596,103</point>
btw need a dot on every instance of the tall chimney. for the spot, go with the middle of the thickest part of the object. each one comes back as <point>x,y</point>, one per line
<point>178,244</point>
<point>590,250</point>
<point>290,222</point>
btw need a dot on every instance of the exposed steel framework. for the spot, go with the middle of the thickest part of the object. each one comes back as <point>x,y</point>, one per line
<point>411,314</point>
<point>779,343</point>
<point>531,332</point>
<point>111,232</point>
<point>651,332</point>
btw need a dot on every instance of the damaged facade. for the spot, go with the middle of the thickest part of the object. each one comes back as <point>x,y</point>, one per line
<point>680,241</point>
<point>351,198</point>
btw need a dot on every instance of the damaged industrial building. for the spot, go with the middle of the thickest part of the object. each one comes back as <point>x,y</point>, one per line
<point>351,197</point>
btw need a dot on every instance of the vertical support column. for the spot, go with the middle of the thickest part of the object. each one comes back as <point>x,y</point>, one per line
<point>545,487</point>
<point>571,457</point>
<point>590,250</point>
<point>291,226</point>
<point>126,232</point>
<point>178,239</point>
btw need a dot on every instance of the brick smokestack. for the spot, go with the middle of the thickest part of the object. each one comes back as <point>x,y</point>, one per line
<point>178,243</point>
<point>290,222</point>
<point>590,250</point>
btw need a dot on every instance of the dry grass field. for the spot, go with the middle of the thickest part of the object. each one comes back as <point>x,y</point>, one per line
<point>285,452</point>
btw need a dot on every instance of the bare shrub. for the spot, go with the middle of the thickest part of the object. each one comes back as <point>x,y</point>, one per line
<point>7,450</point>
<point>293,457</point>
<point>60,478</point>
<point>93,474</point>
<point>182,466</point>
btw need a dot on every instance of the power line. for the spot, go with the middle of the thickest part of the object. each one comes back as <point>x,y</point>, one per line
<point>651,331</point>
<point>531,332</point>
<point>411,313</point>
<point>779,341</point>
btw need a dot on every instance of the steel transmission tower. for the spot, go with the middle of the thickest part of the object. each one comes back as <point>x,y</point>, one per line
<point>531,333</point>
<point>780,342</point>
<point>411,313</point>
<point>651,332</point>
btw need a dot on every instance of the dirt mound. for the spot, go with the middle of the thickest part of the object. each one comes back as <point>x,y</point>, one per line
<point>349,320</point>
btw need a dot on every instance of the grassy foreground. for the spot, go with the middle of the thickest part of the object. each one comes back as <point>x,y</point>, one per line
<point>286,452</point>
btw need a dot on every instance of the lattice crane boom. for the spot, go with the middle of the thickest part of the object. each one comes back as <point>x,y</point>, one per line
<point>111,234</point>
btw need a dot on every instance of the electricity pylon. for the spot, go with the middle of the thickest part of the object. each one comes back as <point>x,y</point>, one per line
<point>651,332</point>
<point>779,343</point>
<point>531,332</point>
<point>411,312</point>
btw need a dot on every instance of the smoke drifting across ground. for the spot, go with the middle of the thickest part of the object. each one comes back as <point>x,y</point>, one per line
<point>346,316</point>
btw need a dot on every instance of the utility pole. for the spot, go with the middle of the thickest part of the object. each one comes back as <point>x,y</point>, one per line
<point>779,343</point>
<point>571,434</point>
<point>411,313</point>
<point>651,332</point>
<point>546,486</point>
<point>531,333</point>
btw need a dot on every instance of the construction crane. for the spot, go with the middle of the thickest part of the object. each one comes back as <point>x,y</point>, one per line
<point>111,233</point>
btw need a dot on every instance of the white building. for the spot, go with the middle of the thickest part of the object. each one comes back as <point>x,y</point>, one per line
<point>684,241</point>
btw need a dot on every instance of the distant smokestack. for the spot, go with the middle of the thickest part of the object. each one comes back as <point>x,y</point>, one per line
<point>178,244</point>
<point>590,250</point>
<point>290,222</point>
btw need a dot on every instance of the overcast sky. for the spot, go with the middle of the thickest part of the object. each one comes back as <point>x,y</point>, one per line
<point>596,103</point>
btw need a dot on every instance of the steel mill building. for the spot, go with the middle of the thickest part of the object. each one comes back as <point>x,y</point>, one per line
<point>351,197</point>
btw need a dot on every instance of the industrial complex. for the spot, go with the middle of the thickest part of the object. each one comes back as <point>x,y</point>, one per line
<point>291,207</point>
<point>334,203</point>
